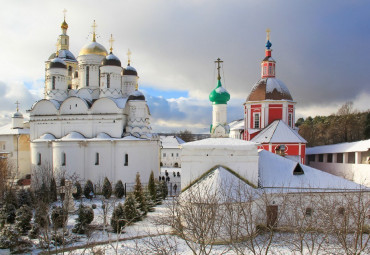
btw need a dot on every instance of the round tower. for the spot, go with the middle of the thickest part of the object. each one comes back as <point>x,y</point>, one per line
<point>129,78</point>
<point>219,98</point>
<point>89,60</point>
<point>56,80</point>
<point>17,118</point>
<point>110,75</point>
<point>269,99</point>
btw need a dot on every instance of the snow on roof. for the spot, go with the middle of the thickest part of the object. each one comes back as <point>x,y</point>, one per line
<point>220,90</point>
<point>278,132</point>
<point>103,135</point>
<point>273,83</point>
<point>171,142</point>
<point>237,125</point>
<point>220,143</point>
<point>45,137</point>
<point>340,147</point>
<point>218,185</point>
<point>120,102</point>
<point>8,130</point>
<point>277,172</point>
<point>130,68</point>
<point>73,136</point>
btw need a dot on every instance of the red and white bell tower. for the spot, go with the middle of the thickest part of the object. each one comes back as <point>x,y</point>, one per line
<point>270,105</point>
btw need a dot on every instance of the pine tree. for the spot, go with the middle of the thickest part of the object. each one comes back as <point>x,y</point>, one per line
<point>151,187</point>
<point>24,197</point>
<point>9,238</point>
<point>159,195</point>
<point>89,187</point>
<point>118,219</point>
<point>78,193</point>
<point>85,217</point>
<point>367,126</point>
<point>164,189</point>
<point>119,189</point>
<point>11,198</point>
<point>7,214</point>
<point>107,188</point>
<point>130,206</point>
<point>53,190</point>
<point>23,218</point>
<point>42,193</point>
<point>59,217</point>
<point>139,195</point>
<point>42,215</point>
<point>62,184</point>
<point>150,203</point>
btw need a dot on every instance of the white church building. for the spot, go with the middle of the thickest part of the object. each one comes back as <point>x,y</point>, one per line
<point>93,121</point>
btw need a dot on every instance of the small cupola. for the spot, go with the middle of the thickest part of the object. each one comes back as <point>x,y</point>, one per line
<point>268,63</point>
<point>219,95</point>
<point>57,63</point>
<point>111,59</point>
<point>17,118</point>
<point>129,70</point>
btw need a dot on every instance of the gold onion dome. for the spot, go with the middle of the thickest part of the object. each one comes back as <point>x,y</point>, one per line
<point>64,25</point>
<point>93,48</point>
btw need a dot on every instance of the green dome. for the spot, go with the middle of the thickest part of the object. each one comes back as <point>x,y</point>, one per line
<point>219,95</point>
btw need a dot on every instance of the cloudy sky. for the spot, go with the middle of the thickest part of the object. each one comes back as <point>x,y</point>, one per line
<point>321,49</point>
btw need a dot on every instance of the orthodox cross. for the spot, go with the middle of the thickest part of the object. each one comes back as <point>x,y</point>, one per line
<point>268,34</point>
<point>94,30</point>
<point>129,56</point>
<point>219,61</point>
<point>64,12</point>
<point>17,103</point>
<point>111,40</point>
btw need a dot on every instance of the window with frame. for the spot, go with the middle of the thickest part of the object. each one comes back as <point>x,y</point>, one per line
<point>177,154</point>
<point>256,120</point>
<point>97,158</point>
<point>339,157</point>
<point>290,120</point>
<point>87,75</point>
<point>126,159</point>
<point>164,155</point>
<point>70,71</point>
<point>53,82</point>
<point>38,159</point>
<point>321,157</point>
<point>171,154</point>
<point>63,159</point>
<point>330,158</point>
<point>270,70</point>
<point>108,81</point>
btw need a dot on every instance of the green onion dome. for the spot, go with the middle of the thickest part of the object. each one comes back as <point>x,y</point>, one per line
<point>219,95</point>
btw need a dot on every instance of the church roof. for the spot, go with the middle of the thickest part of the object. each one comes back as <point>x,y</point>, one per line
<point>111,60</point>
<point>219,95</point>
<point>269,89</point>
<point>94,48</point>
<point>171,142</point>
<point>129,70</point>
<point>340,147</point>
<point>277,172</point>
<point>136,95</point>
<point>8,130</point>
<point>278,132</point>
<point>57,63</point>
<point>237,125</point>
<point>220,143</point>
<point>66,55</point>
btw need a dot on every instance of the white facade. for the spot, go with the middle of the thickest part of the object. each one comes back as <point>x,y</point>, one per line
<point>171,151</point>
<point>97,127</point>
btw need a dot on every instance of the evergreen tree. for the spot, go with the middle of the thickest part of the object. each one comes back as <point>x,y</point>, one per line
<point>11,198</point>
<point>34,232</point>
<point>130,208</point>
<point>85,217</point>
<point>53,190</point>
<point>42,215</point>
<point>42,193</point>
<point>119,189</point>
<point>159,195</point>
<point>78,193</point>
<point>24,197</point>
<point>149,202</point>
<point>151,187</point>
<point>59,217</point>
<point>9,238</point>
<point>7,214</point>
<point>62,184</point>
<point>89,187</point>
<point>164,189</point>
<point>367,126</point>
<point>107,188</point>
<point>118,219</point>
<point>139,195</point>
<point>23,218</point>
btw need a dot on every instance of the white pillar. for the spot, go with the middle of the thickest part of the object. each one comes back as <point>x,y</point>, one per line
<point>357,157</point>
<point>345,158</point>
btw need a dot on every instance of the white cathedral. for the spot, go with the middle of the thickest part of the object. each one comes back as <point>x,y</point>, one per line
<point>93,120</point>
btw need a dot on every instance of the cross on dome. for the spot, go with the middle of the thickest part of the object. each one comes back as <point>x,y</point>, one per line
<point>111,40</point>
<point>219,61</point>
<point>64,12</point>
<point>129,57</point>
<point>17,103</point>
<point>94,31</point>
<point>268,43</point>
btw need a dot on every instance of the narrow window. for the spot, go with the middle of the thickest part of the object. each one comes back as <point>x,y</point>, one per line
<point>339,157</point>
<point>256,118</point>
<point>270,70</point>
<point>177,154</point>
<point>330,158</point>
<point>126,159</point>
<point>63,159</point>
<point>39,159</point>
<point>53,82</point>
<point>70,71</point>
<point>290,119</point>
<point>97,159</point>
<point>164,155</point>
<point>3,146</point>
<point>308,211</point>
<point>87,75</point>
<point>171,154</point>
<point>108,81</point>
<point>264,70</point>
<point>321,157</point>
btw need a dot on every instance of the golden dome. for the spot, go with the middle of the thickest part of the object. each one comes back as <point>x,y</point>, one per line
<point>93,48</point>
<point>64,25</point>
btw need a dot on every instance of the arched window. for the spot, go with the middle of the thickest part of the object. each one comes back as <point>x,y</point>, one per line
<point>38,159</point>
<point>87,75</point>
<point>108,81</point>
<point>97,159</point>
<point>70,71</point>
<point>63,159</point>
<point>53,82</point>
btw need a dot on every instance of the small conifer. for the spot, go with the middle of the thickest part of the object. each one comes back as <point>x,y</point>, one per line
<point>151,187</point>
<point>118,220</point>
<point>23,218</point>
<point>78,193</point>
<point>130,208</point>
<point>107,188</point>
<point>88,189</point>
<point>53,190</point>
<point>119,189</point>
